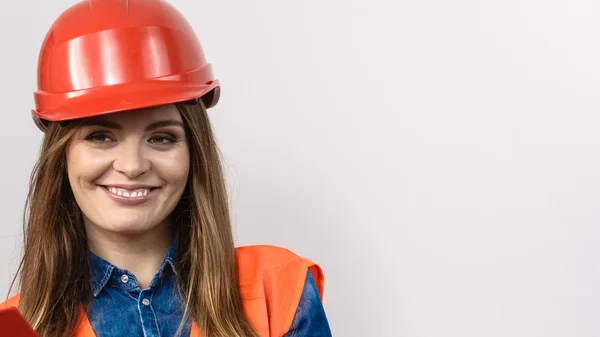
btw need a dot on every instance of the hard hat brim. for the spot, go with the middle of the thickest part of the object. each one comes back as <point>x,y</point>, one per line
<point>117,98</point>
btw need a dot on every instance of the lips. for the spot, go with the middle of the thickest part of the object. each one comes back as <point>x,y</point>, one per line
<point>140,192</point>
<point>129,194</point>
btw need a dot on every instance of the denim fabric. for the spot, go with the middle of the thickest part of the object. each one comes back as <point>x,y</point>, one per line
<point>120,308</point>
<point>310,319</point>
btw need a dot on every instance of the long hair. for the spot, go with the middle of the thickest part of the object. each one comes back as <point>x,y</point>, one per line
<point>53,275</point>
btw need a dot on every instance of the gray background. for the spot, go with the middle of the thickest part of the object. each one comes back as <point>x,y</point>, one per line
<point>439,159</point>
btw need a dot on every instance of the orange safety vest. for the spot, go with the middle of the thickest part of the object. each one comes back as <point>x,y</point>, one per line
<point>271,284</point>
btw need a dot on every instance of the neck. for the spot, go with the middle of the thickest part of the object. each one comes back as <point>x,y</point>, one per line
<point>141,253</point>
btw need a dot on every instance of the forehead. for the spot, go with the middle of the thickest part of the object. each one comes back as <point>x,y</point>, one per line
<point>141,117</point>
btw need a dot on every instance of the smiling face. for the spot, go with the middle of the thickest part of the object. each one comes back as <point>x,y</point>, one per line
<point>128,170</point>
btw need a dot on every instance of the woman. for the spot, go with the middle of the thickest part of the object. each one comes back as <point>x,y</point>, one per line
<point>128,230</point>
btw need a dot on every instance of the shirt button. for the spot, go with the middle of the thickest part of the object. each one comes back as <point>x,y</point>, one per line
<point>145,302</point>
<point>124,278</point>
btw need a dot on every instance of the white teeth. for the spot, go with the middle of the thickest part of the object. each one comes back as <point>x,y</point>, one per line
<point>128,193</point>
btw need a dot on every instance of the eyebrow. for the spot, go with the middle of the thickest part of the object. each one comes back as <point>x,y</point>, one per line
<point>112,125</point>
<point>102,123</point>
<point>168,122</point>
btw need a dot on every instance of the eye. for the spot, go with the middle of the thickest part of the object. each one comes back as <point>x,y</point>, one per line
<point>99,137</point>
<point>162,139</point>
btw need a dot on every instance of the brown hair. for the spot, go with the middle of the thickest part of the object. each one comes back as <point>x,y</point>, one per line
<point>54,273</point>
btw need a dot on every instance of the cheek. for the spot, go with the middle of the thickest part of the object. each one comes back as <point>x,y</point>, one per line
<point>84,165</point>
<point>174,167</point>
<point>181,169</point>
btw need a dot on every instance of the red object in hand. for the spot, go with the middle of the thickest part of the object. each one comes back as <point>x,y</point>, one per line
<point>13,324</point>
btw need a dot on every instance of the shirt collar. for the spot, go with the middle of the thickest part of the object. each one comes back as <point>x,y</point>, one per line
<point>102,271</point>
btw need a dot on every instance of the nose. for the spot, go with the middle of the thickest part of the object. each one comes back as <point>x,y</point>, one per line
<point>131,160</point>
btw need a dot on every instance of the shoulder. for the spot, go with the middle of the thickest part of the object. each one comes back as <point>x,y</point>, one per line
<point>12,302</point>
<point>266,255</point>
<point>278,264</point>
<point>272,280</point>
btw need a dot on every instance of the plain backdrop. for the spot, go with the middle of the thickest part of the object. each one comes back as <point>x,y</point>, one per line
<point>438,159</point>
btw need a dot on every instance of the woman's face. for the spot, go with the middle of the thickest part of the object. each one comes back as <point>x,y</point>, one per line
<point>128,170</point>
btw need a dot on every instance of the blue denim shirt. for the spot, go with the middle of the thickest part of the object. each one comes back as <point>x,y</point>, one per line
<point>120,308</point>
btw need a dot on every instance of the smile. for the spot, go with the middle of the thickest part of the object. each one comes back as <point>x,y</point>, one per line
<point>129,193</point>
<point>131,196</point>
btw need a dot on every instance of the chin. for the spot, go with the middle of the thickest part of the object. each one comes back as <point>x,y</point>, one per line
<point>128,227</point>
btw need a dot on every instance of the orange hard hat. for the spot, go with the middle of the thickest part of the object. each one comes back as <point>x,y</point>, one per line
<point>103,56</point>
